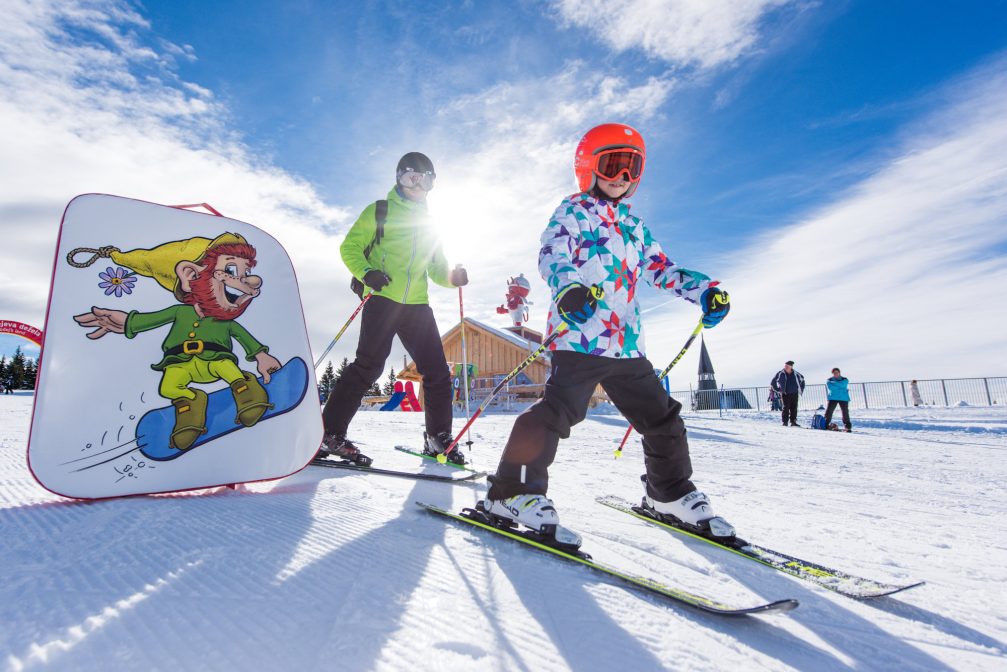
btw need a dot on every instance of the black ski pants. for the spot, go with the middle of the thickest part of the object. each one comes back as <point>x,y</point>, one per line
<point>844,406</point>
<point>635,391</point>
<point>382,319</point>
<point>790,408</point>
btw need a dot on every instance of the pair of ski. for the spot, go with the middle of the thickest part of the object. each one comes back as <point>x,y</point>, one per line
<point>826,577</point>
<point>470,476</point>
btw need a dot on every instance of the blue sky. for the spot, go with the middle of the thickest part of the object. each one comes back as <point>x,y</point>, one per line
<point>795,150</point>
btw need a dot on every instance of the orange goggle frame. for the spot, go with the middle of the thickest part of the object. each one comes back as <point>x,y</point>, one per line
<point>611,163</point>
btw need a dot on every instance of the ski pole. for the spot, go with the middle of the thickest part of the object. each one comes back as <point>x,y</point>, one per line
<point>343,330</point>
<point>465,359</point>
<point>664,374</point>
<point>443,457</point>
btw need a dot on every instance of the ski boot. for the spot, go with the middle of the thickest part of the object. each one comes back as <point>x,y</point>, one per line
<point>435,445</point>
<point>341,447</point>
<point>537,513</point>
<point>692,513</point>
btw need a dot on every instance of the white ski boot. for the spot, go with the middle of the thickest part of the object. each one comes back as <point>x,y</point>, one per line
<point>536,512</point>
<point>692,512</point>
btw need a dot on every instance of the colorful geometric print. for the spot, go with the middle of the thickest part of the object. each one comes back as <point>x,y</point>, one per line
<point>596,242</point>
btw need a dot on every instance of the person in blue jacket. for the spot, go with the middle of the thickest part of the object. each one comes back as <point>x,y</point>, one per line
<point>838,389</point>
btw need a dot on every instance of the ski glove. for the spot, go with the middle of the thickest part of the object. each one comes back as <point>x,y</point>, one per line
<point>716,305</point>
<point>376,280</point>
<point>459,277</point>
<point>576,303</point>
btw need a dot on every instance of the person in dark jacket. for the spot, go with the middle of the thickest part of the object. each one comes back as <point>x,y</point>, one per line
<point>789,384</point>
<point>838,391</point>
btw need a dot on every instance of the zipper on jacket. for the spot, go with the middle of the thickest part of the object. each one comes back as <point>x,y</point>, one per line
<point>409,269</point>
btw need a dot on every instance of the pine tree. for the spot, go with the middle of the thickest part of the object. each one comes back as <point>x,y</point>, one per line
<point>30,374</point>
<point>327,379</point>
<point>3,373</point>
<point>342,367</point>
<point>16,369</point>
<point>389,387</point>
<point>374,390</point>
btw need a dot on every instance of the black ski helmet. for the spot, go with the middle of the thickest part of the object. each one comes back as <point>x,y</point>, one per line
<point>416,162</point>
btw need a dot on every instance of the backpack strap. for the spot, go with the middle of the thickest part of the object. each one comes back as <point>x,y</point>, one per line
<point>380,216</point>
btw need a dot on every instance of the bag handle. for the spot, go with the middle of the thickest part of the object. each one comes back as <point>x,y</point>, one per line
<point>207,206</point>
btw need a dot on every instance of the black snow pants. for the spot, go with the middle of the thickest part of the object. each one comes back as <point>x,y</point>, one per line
<point>790,408</point>
<point>635,391</point>
<point>381,321</point>
<point>844,407</point>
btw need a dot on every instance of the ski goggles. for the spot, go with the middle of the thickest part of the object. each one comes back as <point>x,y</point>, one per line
<point>612,163</point>
<point>414,179</point>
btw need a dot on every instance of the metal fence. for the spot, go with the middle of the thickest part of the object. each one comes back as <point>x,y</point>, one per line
<point>936,392</point>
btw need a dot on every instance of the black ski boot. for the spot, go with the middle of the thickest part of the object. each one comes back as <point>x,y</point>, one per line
<point>342,448</point>
<point>435,445</point>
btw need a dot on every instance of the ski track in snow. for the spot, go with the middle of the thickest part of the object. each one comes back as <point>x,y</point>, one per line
<point>332,569</point>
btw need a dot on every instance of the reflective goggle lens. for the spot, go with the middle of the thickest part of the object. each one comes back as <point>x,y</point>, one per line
<point>613,164</point>
<point>414,179</point>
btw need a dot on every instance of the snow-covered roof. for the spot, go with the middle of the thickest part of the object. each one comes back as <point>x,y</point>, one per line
<point>505,334</point>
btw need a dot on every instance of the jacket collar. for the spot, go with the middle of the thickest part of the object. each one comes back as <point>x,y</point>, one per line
<point>395,197</point>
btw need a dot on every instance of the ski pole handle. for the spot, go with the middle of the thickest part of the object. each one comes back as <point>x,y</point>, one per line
<point>664,374</point>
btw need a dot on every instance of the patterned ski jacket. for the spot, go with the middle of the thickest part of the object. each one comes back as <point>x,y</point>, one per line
<point>597,242</point>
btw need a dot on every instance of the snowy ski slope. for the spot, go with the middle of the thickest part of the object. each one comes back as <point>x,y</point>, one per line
<point>339,570</point>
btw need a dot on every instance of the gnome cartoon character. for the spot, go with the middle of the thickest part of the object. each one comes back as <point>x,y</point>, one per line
<point>213,282</point>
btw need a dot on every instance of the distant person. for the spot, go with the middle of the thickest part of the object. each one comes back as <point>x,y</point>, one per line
<point>789,384</point>
<point>775,404</point>
<point>914,390</point>
<point>837,388</point>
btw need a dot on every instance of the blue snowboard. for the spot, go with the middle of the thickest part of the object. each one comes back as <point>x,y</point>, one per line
<point>285,388</point>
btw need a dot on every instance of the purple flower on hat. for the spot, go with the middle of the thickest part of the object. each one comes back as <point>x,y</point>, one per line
<point>117,281</point>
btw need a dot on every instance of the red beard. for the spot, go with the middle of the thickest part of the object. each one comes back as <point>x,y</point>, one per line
<point>202,296</point>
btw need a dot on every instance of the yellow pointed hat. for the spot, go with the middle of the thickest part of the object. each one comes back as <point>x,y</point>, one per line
<point>159,262</point>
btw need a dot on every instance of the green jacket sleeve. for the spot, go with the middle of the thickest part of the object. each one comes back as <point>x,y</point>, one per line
<point>137,321</point>
<point>251,346</point>
<point>357,238</point>
<point>437,269</point>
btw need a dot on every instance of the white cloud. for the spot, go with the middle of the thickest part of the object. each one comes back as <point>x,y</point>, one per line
<point>88,106</point>
<point>506,164</point>
<point>903,275</point>
<point>706,33</point>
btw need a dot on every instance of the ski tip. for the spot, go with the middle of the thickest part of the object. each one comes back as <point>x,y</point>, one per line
<point>888,592</point>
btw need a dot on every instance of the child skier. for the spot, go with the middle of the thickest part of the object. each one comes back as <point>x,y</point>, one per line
<point>393,261</point>
<point>593,254</point>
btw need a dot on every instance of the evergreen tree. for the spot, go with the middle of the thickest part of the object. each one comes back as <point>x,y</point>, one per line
<point>30,374</point>
<point>3,373</point>
<point>389,387</point>
<point>374,390</point>
<point>16,369</point>
<point>327,379</point>
<point>342,367</point>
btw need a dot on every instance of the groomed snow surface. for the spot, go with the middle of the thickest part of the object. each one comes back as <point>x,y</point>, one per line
<point>331,569</point>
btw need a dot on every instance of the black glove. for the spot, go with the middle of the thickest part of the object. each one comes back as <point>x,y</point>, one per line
<point>576,303</point>
<point>376,280</point>
<point>459,277</point>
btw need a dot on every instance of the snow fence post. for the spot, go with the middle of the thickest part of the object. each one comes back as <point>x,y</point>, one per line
<point>945,388</point>
<point>989,399</point>
<point>863,388</point>
<point>720,401</point>
<point>905,401</point>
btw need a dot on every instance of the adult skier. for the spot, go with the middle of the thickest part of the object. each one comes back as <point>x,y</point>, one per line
<point>838,392</point>
<point>594,252</point>
<point>393,261</point>
<point>789,384</point>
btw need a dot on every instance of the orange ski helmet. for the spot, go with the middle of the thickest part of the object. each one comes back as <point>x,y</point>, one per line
<point>608,149</point>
